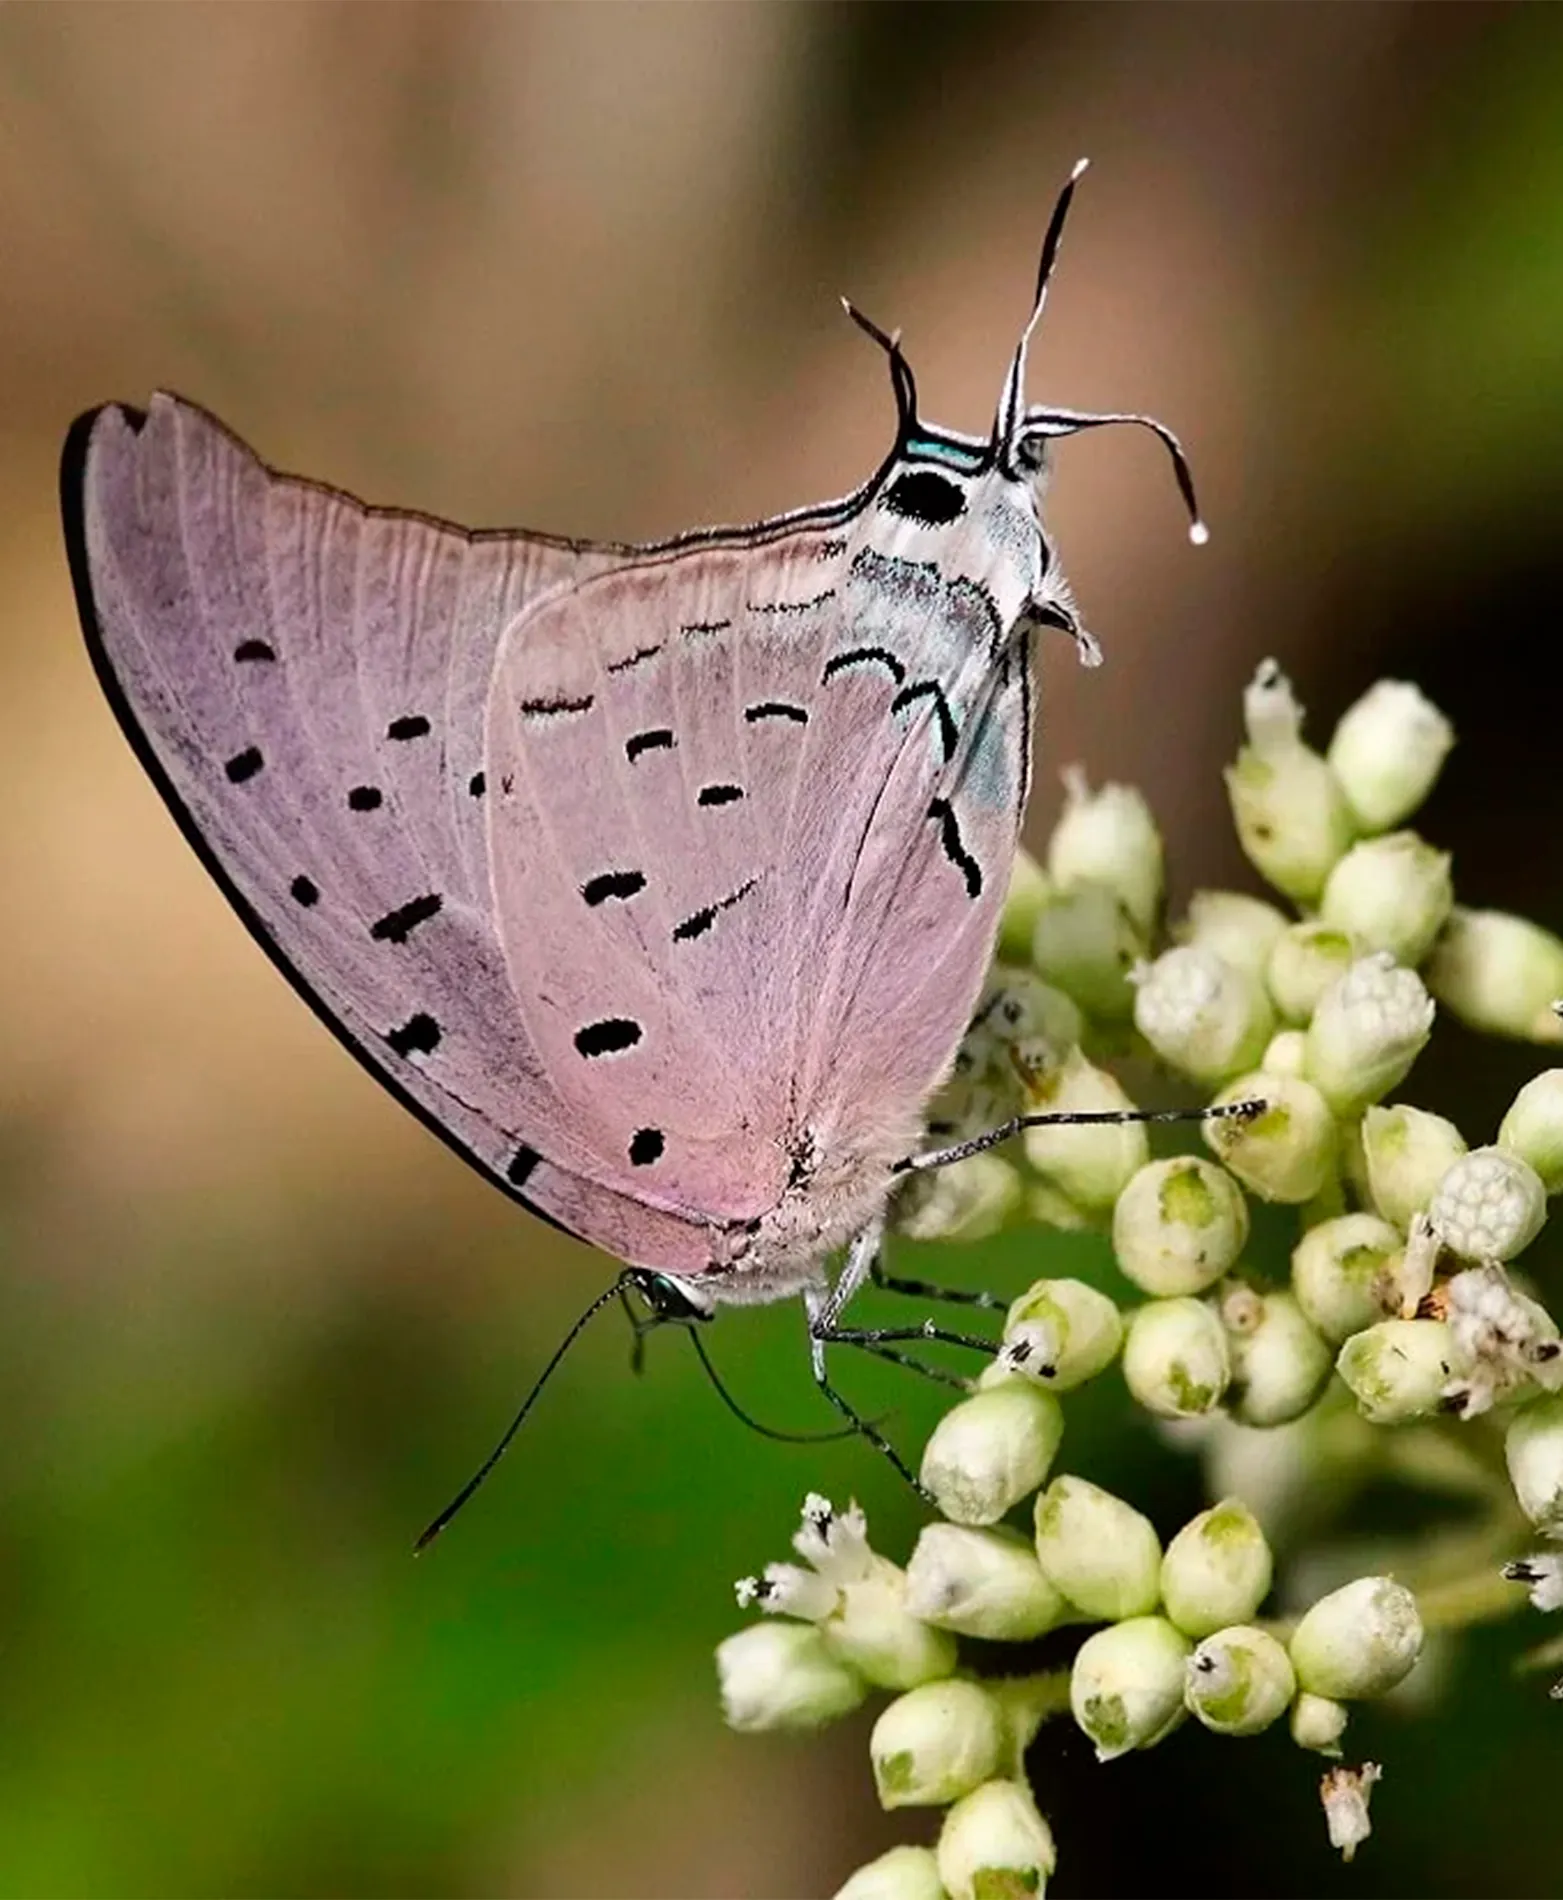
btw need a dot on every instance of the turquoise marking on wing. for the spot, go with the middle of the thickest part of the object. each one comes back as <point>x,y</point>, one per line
<point>952,452</point>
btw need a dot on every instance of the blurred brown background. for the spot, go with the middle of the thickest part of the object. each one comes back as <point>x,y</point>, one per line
<point>576,266</point>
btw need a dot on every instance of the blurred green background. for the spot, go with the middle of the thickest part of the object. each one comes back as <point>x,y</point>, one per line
<point>576,266</point>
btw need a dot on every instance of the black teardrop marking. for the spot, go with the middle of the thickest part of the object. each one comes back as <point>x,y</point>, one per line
<point>303,891</point>
<point>660,738</point>
<point>519,1169</point>
<point>477,785</point>
<point>619,884</point>
<point>864,656</point>
<point>921,495</point>
<point>646,1146</point>
<point>943,814</point>
<point>419,1035</point>
<point>930,689</point>
<point>244,764</point>
<point>719,794</point>
<point>365,798</point>
<point>396,926</point>
<point>254,650</point>
<point>776,709</point>
<point>410,726</point>
<point>611,1037</point>
<point>552,708</point>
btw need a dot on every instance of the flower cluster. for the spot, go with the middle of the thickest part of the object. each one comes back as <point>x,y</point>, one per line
<point>1401,1308</point>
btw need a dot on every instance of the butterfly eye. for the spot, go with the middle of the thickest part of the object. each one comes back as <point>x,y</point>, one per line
<point>1029,453</point>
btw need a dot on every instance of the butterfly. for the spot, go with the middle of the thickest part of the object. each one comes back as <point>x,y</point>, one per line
<point>660,881</point>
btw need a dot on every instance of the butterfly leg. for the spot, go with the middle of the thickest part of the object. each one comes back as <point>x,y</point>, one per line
<point>925,1290</point>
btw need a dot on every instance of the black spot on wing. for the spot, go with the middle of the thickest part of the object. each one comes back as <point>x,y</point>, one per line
<point>418,1036</point>
<point>864,656</point>
<point>409,726</point>
<point>610,1037</point>
<point>555,708</point>
<point>776,709</point>
<point>518,1170</point>
<point>659,739</point>
<point>618,884</point>
<point>260,650</point>
<point>698,922</point>
<point>921,495</point>
<point>943,814</point>
<point>637,658</point>
<point>930,689</point>
<point>699,629</point>
<point>477,785</point>
<point>365,798</point>
<point>646,1146</point>
<point>304,891</point>
<point>244,764</point>
<point>396,926</point>
<point>719,794</point>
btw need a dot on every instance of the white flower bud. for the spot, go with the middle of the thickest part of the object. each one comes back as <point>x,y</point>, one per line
<point>934,1744</point>
<point>1239,1680</point>
<point>1086,943</point>
<point>970,1200</point>
<point>1387,751</point>
<point>1398,1368</point>
<point>984,1583</point>
<point>1030,1026</point>
<point>1343,1273</point>
<point>1292,818</point>
<point>872,1629</point>
<point>1175,1358</point>
<point>1201,1014</point>
<point>901,1873</point>
<point>1306,959</point>
<point>1370,1026</point>
<point>1489,1206</point>
<point>1286,1053</point>
<point>1126,1688</point>
<point>1028,891</point>
<point>782,1675</point>
<point>1392,893</point>
<point>1217,1570</point>
<point>1061,1333</point>
<point>1096,1550</point>
<point>1089,1164</point>
<point>1278,1366</point>
<point>1359,1641</point>
<point>1407,1152</point>
<point>1318,1723</point>
<point>1345,1793</point>
<point>788,1590</point>
<point>1286,1152</point>
<point>1534,1449</point>
<point>1179,1225</point>
<point>1502,1339</point>
<point>1533,1127</point>
<point>994,1844</point>
<point>1108,837</point>
<point>1049,1208</point>
<point>991,1450</point>
<point>1542,1573</point>
<point>1241,930</point>
<point>1499,973</point>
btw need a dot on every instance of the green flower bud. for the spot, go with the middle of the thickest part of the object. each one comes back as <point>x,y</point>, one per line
<point>970,1200</point>
<point>1239,1680</point>
<point>1318,1723</point>
<point>991,1450</point>
<point>934,1744</point>
<point>995,1846</point>
<point>1397,1369</point>
<point>1393,893</point>
<point>1343,1273</point>
<point>1126,1688</point>
<point>1179,1225</point>
<point>1279,1366</point>
<point>984,1583</point>
<point>1534,1449</point>
<point>1241,930</point>
<point>1306,960</point>
<point>1533,1127</point>
<point>902,1873</point>
<point>1061,1333</point>
<point>1108,837</point>
<point>1359,1641</point>
<point>1286,1152</point>
<point>1096,1550</point>
<point>1175,1358</point>
<point>1489,1206</point>
<point>1217,1570</point>
<point>1370,1026</point>
<point>1028,891</point>
<point>1092,1164</point>
<point>1201,1014</point>
<point>783,1676</point>
<point>1292,818</point>
<point>1086,943</point>
<point>1047,1207</point>
<point>1387,751</point>
<point>1286,1053</point>
<point>1345,1793</point>
<point>1499,973</point>
<point>1407,1153</point>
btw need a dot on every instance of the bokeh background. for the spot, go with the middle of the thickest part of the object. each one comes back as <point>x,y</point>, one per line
<point>576,266</point>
